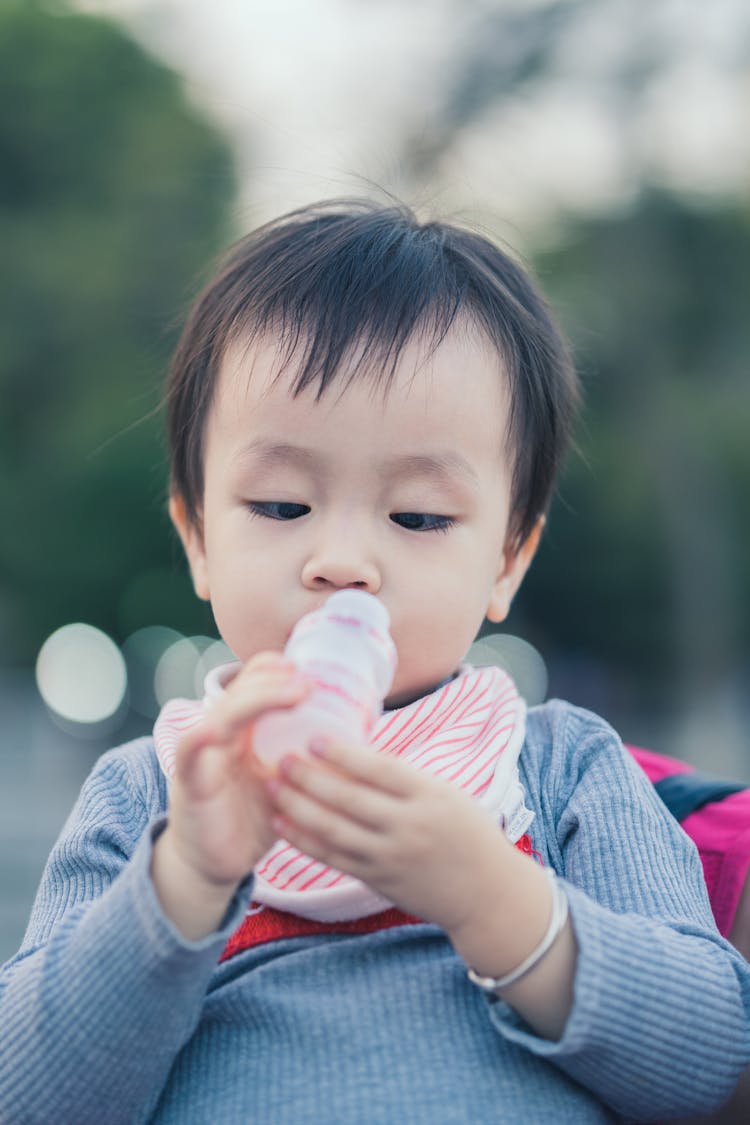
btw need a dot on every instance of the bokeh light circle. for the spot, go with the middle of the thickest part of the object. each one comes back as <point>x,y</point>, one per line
<point>213,656</point>
<point>177,673</point>
<point>143,650</point>
<point>520,660</point>
<point>81,674</point>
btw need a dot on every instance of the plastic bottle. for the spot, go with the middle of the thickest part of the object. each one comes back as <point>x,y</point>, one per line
<point>347,650</point>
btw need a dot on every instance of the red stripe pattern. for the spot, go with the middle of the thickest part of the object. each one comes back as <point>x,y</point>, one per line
<point>263,924</point>
<point>458,733</point>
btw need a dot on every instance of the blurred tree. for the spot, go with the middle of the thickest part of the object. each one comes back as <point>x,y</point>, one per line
<point>114,192</point>
<point>501,53</point>
<point>618,58</point>
<point>647,557</point>
<point>644,577</point>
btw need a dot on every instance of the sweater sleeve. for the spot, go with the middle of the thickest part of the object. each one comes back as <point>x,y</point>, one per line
<point>104,991</point>
<point>660,1023</point>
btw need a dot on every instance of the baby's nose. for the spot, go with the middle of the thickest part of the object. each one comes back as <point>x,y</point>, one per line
<point>341,569</point>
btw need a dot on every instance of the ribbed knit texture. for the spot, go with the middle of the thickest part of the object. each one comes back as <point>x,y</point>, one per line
<point>108,1016</point>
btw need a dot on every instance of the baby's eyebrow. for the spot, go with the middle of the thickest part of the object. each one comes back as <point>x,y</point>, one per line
<point>266,454</point>
<point>443,466</point>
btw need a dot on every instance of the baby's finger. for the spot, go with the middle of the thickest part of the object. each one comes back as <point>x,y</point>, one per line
<point>310,844</point>
<point>268,690</point>
<point>319,831</point>
<point>397,778</point>
<point>268,658</point>
<point>362,803</point>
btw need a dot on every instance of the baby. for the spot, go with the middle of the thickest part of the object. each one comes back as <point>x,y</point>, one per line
<point>363,401</point>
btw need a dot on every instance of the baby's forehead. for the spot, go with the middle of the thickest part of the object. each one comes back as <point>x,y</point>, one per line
<point>447,403</point>
<point>258,364</point>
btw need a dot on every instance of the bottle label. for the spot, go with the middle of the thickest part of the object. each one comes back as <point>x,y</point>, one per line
<point>353,641</point>
<point>341,691</point>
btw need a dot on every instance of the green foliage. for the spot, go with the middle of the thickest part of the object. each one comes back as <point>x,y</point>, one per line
<point>646,561</point>
<point>114,192</point>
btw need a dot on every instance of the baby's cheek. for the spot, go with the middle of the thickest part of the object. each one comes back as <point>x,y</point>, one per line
<point>248,630</point>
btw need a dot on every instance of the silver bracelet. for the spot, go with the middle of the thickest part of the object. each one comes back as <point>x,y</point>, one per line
<point>557,921</point>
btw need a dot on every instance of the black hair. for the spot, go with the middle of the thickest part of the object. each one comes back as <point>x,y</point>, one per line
<point>354,278</point>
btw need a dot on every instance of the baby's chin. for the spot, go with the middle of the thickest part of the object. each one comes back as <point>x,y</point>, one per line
<point>404,694</point>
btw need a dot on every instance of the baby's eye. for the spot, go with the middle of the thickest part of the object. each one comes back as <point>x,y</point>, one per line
<point>422,521</point>
<point>277,509</point>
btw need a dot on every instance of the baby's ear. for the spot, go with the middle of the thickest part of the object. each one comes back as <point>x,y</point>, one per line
<point>516,561</point>
<point>191,534</point>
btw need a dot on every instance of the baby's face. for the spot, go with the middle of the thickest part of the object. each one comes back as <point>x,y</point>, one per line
<point>405,496</point>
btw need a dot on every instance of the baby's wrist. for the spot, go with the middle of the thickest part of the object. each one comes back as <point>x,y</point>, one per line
<point>193,902</point>
<point>506,912</point>
<point>200,881</point>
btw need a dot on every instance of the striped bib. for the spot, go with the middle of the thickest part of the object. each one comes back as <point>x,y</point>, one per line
<point>468,732</point>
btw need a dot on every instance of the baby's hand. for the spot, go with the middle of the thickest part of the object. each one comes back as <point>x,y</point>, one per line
<point>419,841</point>
<point>433,851</point>
<point>219,820</point>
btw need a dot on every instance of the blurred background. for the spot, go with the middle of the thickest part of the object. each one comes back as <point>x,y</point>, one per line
<point>606,142</point>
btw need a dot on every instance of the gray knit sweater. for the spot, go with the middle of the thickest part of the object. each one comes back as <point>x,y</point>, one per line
<point>107,1015</point>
